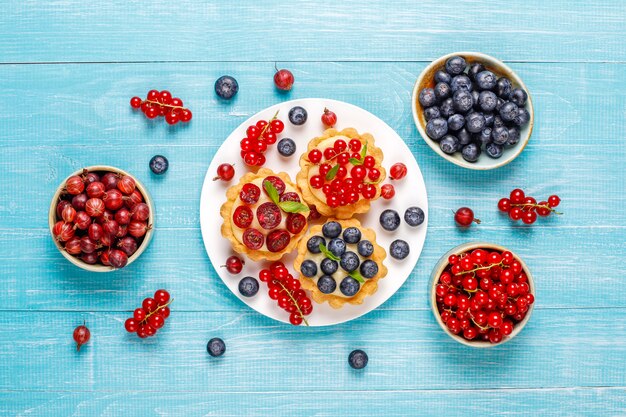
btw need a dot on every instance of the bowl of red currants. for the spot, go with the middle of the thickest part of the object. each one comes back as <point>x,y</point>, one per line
<point>481,294</point>
<point>473,110</point>
<point>101,218</point>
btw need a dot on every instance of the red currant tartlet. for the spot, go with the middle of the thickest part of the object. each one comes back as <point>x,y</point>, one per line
<point>341,173</point>
<point>264,216</point>
<point>340,262</point>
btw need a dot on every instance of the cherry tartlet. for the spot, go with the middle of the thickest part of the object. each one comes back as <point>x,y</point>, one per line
<point>264,216</point>
<point>341,173</point>
<point>340,262</point>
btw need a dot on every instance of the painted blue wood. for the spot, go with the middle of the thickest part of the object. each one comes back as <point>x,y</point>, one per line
<point>56,118</point>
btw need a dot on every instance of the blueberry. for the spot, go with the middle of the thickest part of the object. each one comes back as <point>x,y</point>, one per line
<point>463,136</point>
<point>369,269</point>
<point>286,147</point>
<point>337,246</point>
<point>358,359</point>
<point>431,113</point>
<point>446,108</point>
<point>462,101</point>
<point>297,116</point>
<point>248,286</point>
<point>493,150</point>
<point>442,77</point>
<point>308,268</point>
<point>399,249</point>
<point>474,122</point>
<point>497,121</point>
<point>328,266</point>
<point>486,80</point>
<point>522,117</point>
<point>351,235</point>
<point>326,284</point>
<point>474,69</point>
<point>489,118</point>
<point>427,97</point>
<point>442,91</point>
<point>508,111</point>
<point>500,104</point>
<point>514,136</point>
<point>436,128</point>
<point>503,88</point>
<point>518,96</point>
<point>471,152</point>
<point>365,248</point>
<point>449,144</point>
<point>500,135</point>
<point>487,100</point>
<point>461,82</point>
<point>349,286</point>
<point>456,122</point>
<point>349,261</point>
<point>455,65</point>
<point>414,216</point>
<point>226,87</point>
<point>484,137</point>
<point>389,219</point>
<point>216,347</point>
<point>331,230</point>
<point>159,164</point>
<point>313,244</point>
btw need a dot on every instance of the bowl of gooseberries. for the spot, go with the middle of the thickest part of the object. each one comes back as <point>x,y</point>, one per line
<point>481,294</point>
<point>101,218</point>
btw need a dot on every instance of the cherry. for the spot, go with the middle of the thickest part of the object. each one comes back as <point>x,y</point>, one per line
<point>329,118</point>
<point>387,191</point>
<point>278,240</point>
<point>225,172</point>
<point>81,335</point>
<point>253,239</point>
<point>268,215</point>
<point>290,196</point>
<point>250,193</point>
<point>464,217</point>
<point>295,223</point>
<point>397,171</point>
<point>278,184</point>
<point>242,217</point>
<point>283,79</point>
<point>234,264</point>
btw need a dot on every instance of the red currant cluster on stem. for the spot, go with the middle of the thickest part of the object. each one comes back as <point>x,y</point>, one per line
<point>483,295</point>
<point>519,206</point>
<point>151,316</point>
<point>258,137</point>
<point>285,289</point>
<point>161,103</point>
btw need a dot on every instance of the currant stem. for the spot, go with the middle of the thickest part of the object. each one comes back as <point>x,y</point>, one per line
<point>294,301</point>
<point>531,205</point>
<point>144,321</point>
<point>480,268</point>
<point>165,105</point>
<point>268,124</point>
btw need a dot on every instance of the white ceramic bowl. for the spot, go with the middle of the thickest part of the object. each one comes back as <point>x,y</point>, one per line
<point>426,79</point>
<point>438,270</point>
<point>52,219</point>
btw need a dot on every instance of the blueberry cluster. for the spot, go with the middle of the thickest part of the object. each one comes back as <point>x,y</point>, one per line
<point>470,108</point>
<point>390,220</point>
<point>337,248</point>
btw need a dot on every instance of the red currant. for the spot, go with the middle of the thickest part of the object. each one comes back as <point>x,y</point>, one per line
<point>504,205</point>
<point>135,102</point>
<point>369,161</point>
<point>517,196</point>
<point>316,181</point>
<point>529,217</point>
<point>277,126</point>
<point>315,156</point>
<point>553,201</point>
<point>355,145</point>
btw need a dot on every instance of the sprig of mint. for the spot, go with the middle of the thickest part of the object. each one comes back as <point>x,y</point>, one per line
<point>286,206</point>
<point>355,161</point>
<point>329,254</point>
<point>357,275</point>
<point>332,173</point>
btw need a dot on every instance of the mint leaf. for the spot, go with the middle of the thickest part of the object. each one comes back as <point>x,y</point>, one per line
<point>355,161</point>
<point>364,151</point>
<point>271,191</point>
<point>293,207</point>
<point>329,254</point>
<point>332,173</point>
<point>357,275</point>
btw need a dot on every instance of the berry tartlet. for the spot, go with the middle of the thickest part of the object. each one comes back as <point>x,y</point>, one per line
<point>340,262</point>
<point>341,173</point>
<point>263,215</point>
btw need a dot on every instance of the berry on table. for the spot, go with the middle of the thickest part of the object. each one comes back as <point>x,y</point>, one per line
<point>519,206</point>
<point>286,147</point>
<point>161,103</point>
<point>399,249</point>
<point>329,118</point>
<point>389,220</point>
<point>216,347</point>
<point>414,216</point>
<point>283,79</point>
<point>159,164</point>
<point>226,87</point>
<point>150,316</point>
<point>358,359</point>
<point>297,116</point>
<point>81,335</point>
<point>225,172</point>
<point>464,217</point>
<point>397,171</point>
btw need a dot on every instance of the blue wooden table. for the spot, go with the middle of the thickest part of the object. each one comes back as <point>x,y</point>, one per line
<point>67,70</point>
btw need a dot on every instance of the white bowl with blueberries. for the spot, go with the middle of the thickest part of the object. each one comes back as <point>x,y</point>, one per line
<point>473,110</point>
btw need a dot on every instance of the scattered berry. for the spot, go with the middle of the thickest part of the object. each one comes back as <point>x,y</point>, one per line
<point>519,206</point>
<point>159,164</point>
<point>414,216</point>
<point>399,249</point>
<point>216,347</point>
<point>161,103</point>
<point>397,171</point>
<point>464,217</point>
<point>389,220</point>
<point>151,316</point>
<point>286,147</point>
<point>225,172</point>
<point>248,286</point>
<point>329,118</point>
<point>358,359</point>
<point>234,264</point>
<point>226,87</point>
<point>297,116</point>
<point>283,79</point>
<point>387,191</point>
<point>81,335</point>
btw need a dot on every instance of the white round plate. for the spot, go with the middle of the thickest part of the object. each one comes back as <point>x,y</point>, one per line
<point>410,191</point>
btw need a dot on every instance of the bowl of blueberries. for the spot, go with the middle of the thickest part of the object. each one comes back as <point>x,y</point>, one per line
<point>473,110</point>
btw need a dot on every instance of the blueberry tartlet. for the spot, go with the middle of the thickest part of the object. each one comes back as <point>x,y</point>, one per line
<point>263,215</point>
<point>341,172</point>
<point>340,262</point>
